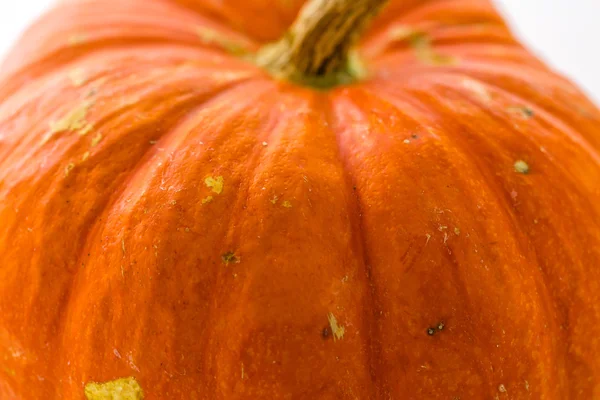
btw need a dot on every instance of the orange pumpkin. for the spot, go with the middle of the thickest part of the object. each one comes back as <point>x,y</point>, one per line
<point>188,212</point>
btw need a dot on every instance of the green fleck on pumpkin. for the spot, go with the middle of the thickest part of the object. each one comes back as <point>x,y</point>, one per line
<point>521,167</point>
<point>286,204</point>
<point>216,184</point>
<point>207,200</point>
<point>523,112</point>
<point>337,330</point>
<point>230,258</point>
<point>119,389</point>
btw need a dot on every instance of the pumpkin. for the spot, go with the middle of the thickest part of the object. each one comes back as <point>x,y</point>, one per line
<point>389,201</point>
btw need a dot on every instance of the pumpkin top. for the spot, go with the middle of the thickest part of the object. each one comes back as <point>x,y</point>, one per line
<point>316,50</point>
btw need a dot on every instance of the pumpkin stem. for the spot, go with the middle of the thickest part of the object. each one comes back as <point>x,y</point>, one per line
<point>316,50</point>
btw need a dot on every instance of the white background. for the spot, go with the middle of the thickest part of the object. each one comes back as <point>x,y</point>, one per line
<point>566,33</point>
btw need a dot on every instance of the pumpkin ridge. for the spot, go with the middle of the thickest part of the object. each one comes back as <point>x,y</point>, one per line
<point>372,336</point>
<point>548,286</point>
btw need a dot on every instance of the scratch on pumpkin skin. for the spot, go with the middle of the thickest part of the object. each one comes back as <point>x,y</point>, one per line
<point>428,236</point>
<point>85,156</point>
<point>337,330</point>
<point>216,184</point>
<point>123,246</point>
<point>207,200</point>
<point>119,389</point>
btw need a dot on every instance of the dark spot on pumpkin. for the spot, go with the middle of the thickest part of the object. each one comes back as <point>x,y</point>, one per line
<point>528,112</point>
<point>230,258</point>
<point>431,331</point>
<point>354,187</point>
<point>326,332</point>
<point>415,136</point>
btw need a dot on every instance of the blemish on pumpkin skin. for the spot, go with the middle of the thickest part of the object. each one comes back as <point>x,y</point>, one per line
<point>216,184</point>
<point>74,121</point>
<point>521,167</point>
<point>457,231</point>
<point>207,200</point>
<point>230,258</point>
<point>337,330</point>
<point>522,111</point>
<point>69,168</point>
<point>123,246</point>
<point>502,388</point>
<point>527,386</point>
<point>119,389</point>
<point>274,199</point>
<point>85,156</point>
<point>286,204</point>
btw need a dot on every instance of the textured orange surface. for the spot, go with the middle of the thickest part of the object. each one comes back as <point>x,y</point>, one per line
<point>171,213</point>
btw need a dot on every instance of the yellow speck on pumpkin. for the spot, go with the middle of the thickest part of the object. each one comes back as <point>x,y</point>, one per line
<point>96,139</point>
<point>77,77</point>
<point>85,156</point>
<point>73,121</point>
<point>274,199</point>
<point>286,204</point>
<point>210,36</point>
<point>216,184</point>
<point>337,330</point>
<point>521,167</point>
<point>119,389</point>
<point>9,371</point>
<point>457,231</point>
<point>123,245</point>
<point>207,200</point>
<point>69,168</point>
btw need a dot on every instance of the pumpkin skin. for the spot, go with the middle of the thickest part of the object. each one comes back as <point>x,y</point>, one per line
<point>170,212</point>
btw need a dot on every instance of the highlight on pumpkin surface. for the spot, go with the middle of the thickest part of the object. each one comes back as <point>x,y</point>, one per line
<point>119,389</point>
